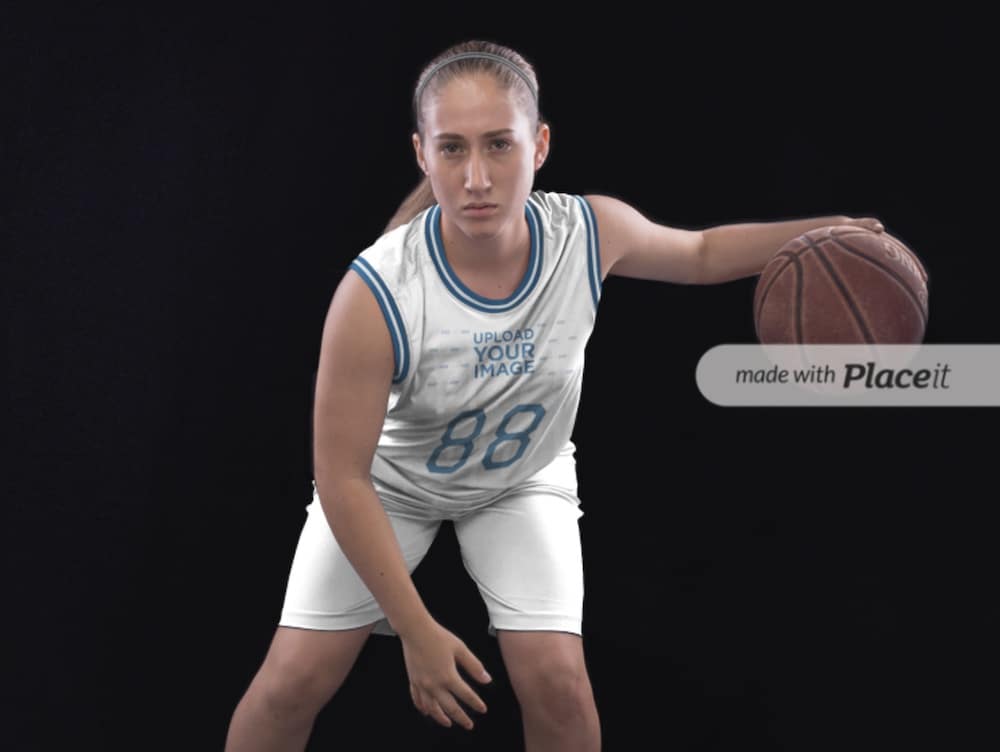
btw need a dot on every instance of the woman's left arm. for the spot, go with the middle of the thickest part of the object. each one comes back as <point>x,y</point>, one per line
<point>633,246</point>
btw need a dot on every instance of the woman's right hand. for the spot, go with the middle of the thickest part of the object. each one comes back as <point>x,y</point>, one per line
<point>432,655</point>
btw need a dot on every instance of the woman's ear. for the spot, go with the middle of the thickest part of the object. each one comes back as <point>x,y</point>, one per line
<point>420,153</point>
<point>542,139</point>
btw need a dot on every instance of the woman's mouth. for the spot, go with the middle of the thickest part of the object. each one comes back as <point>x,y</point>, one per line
<point>479,209</point>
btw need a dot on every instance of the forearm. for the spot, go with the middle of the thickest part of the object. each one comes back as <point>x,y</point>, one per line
<point>363,530</point>
<point>742,250</point>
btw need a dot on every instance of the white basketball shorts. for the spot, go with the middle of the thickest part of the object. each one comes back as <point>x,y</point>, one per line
<point>522,549</point>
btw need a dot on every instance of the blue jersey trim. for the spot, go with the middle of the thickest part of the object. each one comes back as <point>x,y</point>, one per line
<point>393,319</point>
<point>435,246</point>
<point>593,249</point>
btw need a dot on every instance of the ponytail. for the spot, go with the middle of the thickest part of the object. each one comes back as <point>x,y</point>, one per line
<point>419,199</point>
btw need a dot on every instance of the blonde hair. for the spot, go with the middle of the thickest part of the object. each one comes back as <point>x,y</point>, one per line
<point>432,80</point>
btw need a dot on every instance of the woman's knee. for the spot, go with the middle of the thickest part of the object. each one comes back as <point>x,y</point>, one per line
<point>305,668</point>
<point>549,675</point>
<point>559,693</point>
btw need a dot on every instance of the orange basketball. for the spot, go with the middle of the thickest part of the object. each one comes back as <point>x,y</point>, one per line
<point>842,285</point>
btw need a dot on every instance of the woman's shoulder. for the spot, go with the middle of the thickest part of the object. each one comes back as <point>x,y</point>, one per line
<point>558,206</point>
<point>552,200</point>
<point>394,260</point>
<point>398,244</point>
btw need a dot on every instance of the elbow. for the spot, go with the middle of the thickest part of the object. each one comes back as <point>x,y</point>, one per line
<point>717,262</point>
<point>701,267</point>
<point>337,476</point>
<point>331,472</point>
<point>338,494</point>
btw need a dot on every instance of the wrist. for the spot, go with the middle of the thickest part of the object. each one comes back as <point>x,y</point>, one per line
<point>413,624</point>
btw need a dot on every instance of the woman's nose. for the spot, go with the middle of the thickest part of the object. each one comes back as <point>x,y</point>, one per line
<point>476,176</point>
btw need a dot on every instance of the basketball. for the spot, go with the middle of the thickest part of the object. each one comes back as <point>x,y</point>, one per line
<point>842,284</point>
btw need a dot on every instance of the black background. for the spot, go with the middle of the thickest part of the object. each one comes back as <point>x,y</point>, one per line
<point>185,190</point>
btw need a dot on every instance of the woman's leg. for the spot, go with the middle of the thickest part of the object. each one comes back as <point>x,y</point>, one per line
<point>301,672</point>
<point>327,615</point>
<point>550,680</point>
<point>524,554</point>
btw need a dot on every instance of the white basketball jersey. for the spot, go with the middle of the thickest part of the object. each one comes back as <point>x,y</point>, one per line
<point>485,391</point>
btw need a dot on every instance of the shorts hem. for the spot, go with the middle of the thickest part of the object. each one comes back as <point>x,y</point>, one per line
<point>537,623</point>
<point>328,622</point>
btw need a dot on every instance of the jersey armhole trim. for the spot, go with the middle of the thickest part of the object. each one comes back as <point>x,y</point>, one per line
<point>393,319</point>
<point>593,249</point>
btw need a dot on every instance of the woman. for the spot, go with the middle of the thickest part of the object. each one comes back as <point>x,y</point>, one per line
<point>448,383</point>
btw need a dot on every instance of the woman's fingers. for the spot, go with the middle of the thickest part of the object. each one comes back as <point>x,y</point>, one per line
<point>468,660</point>
<point>429,706</point>
<point>437,688</point>
<point>438,714</point>
<point>444,708</point>
<point>454,711</point>
<point>466,694</point>
<point>418,700</point>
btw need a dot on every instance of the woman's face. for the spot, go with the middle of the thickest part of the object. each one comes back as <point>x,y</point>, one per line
<point>479,148</point>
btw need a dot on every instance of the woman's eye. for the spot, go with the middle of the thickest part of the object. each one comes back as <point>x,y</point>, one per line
<point>499,144</point>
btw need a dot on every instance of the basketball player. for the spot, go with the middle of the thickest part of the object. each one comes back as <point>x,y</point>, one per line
<point>448,383</point>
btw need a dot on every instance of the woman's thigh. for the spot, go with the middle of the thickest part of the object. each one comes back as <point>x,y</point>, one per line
<point>325,592</point>
<point>524,554</point>
<point>303,668</point>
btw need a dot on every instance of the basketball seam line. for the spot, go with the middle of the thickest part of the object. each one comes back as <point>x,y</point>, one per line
<point>792,259</point>
<point>827,236</point>
<point>891,272</point>
<point>800,251</point>
<point>859,319</point>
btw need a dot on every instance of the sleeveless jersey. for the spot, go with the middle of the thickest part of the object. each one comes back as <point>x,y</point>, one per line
<point>485,391</point>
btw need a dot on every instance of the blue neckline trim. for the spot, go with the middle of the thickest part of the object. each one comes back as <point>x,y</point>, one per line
<point>435,246</point>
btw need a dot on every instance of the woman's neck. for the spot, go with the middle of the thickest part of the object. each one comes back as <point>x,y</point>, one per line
<point>487,254</point>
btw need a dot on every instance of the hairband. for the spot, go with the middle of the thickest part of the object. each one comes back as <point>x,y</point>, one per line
<point>471,55</point>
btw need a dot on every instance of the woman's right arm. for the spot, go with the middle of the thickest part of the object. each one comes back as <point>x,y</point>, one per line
<point>356,364</point>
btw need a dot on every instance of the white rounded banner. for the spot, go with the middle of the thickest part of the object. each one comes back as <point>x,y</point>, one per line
<point>850,375</point>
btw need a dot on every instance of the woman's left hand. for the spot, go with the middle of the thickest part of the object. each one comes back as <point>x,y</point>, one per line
<point>869,223</point>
